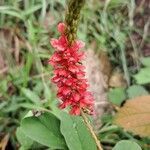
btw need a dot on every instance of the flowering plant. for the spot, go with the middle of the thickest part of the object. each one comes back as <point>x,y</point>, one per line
<point>69,74</point>
<point>56,126</point>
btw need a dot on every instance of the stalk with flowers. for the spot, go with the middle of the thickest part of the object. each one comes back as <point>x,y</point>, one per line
<point>69,75</point>
<point>72,91</point>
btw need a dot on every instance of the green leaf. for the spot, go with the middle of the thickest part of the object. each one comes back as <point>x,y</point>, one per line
<point>31,96</point>
<point>25,141</point>
<point>117,96</point>
<point>76,133</point>
<point>126,145</point>
<point>136,90</point>
<point>106,118</point>
<point>143,76</point>
<point>28,114</point>
<point>146,61</point>
<point>45,130</point>
<point>27,68</point>
<point>32,106</point>
<point>12,13</point>
<point>47,92</point>
<point>115,3</point>
<point>32,10</point>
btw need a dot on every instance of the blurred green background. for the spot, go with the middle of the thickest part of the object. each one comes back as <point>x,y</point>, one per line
<point>118,28</point>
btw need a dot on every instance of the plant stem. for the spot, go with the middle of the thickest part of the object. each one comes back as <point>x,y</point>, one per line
<point>72,18</point>
<point>86,121</point>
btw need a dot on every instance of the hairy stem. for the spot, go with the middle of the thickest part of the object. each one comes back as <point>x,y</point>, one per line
<point>72,18</point>
<point>87,123</point>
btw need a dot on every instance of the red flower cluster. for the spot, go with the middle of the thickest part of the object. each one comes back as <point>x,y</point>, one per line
<point>69,74</point>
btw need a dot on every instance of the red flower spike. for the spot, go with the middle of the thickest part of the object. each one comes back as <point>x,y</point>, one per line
<point>69,75</point>
<point>61,28</point>
<point>75,110</point>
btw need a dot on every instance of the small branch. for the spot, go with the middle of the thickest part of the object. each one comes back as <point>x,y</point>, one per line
<point>85,119</point>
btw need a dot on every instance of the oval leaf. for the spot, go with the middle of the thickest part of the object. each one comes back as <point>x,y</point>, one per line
<point>31,96</point>
<point>143,76</point>
<point>135,116</point>
<point>146,61</point>
<point>126,145</point>
<point>76,133</point>
<point>25,141</point>
<point>117,96</point>
<point>136,90</point>
<point>44,129</point>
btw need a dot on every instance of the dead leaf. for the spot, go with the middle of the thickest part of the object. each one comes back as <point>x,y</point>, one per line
<point>16,49</point>
<point>134,116</point>
<point>117,80</point>
<point>2,62</point>
<point>105,65</point>
<point>6,47</point>
<point>11,42</point>
<point>4,142</point>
